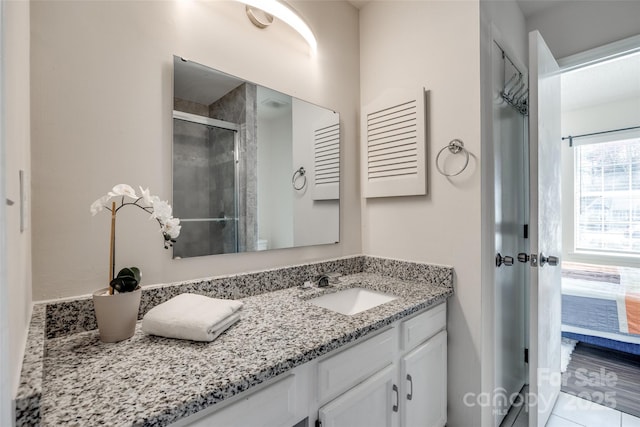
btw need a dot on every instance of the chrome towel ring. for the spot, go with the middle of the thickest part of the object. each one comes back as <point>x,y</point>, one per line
<point>455,146</point>
<point>300,173</point>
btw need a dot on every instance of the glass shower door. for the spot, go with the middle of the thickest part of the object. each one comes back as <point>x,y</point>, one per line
<point>205,188</point>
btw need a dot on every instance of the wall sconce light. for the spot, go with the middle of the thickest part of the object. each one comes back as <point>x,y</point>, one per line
<point>258,17</point>
<point>262,12</point>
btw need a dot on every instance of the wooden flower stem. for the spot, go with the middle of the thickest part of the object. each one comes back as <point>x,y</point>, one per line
<point>112,248</point>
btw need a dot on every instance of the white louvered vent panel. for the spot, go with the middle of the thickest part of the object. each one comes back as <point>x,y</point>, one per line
<point>394,132</point>
<point>392,139</point>
<point>326,180</point>
<point>327,155</point>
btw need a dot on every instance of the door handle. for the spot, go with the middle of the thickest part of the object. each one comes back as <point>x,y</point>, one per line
<point>410,395</point>
<point>551,260</point>
<point>506,260</point>
<point>395,407</point>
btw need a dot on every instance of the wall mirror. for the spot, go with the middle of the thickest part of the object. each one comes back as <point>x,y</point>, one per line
<point>253,168</point>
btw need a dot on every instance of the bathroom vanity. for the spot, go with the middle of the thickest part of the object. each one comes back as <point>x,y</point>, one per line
<point>398,377</point>
<point>287,359</point>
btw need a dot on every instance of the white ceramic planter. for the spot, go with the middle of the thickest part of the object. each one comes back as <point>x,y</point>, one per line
<point>116,314</point>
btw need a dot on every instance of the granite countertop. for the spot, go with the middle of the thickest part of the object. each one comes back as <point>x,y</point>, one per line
<point>155,381</point>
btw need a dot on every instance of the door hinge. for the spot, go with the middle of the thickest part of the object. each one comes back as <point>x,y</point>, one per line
<point>526,355</point>
<point>525,233</point>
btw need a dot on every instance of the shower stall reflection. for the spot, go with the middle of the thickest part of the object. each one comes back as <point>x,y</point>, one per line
<point>205,179</point>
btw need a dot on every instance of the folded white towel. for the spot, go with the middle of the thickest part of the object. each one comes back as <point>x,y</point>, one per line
<point>191,317</point>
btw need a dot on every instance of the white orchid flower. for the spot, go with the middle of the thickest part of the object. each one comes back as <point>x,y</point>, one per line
<point>161,210</point>
<point>123,190</point>
<point>172,227</point>
<point>145,195</point>
<point>98,205</point>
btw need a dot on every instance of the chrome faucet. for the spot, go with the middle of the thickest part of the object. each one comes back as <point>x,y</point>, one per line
<point>322,281</point>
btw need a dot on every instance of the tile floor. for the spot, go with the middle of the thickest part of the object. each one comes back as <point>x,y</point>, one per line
<point>571,411</point>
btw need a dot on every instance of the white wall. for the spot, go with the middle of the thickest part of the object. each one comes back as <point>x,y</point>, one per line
<point>595,118</point>
<point>571,27</point>
<point>275,198</point>
<point>102,98</point>
<point>17,150</point>
<point>434,44</point>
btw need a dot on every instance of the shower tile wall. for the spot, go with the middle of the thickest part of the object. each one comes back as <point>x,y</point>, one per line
<point>204,188</point>
<point>240,106</point>
<point>190,107</point>
<point>191,175</point>
<point>222,234</point>
<point>249,171</point>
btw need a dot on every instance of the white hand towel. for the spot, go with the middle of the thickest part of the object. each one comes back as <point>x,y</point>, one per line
<point>191,317</point>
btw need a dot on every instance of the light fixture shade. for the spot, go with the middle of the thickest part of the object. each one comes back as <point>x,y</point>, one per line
<point>287,15</point>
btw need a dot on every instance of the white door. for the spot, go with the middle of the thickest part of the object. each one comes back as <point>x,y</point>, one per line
<point>545,230</point>
<point>509,142</point>
<point>423,401</point>
<point>374,403</point>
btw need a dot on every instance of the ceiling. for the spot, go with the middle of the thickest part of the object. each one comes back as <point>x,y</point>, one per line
<point>359,4</point>
<point>528,7</point>
<point>197,83</point>
<point>602,83</point>
<point>532,7</point>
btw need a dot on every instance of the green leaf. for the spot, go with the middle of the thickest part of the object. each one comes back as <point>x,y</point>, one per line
<point>133,272</point>
<point>124,284</point>
<point>136,273</point>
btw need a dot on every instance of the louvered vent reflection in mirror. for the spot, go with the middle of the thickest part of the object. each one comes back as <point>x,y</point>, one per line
<point>327,161</point>
<point>394,137</point>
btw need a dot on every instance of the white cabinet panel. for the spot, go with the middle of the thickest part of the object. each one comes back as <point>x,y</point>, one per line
<point>423,326</point>
<point>423,374</point>
<point>344,370</point>
<point>274,405</point>
<point>370,404</point>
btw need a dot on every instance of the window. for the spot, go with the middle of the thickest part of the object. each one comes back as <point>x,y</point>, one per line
<point>600,116</point>
<point>607,198</point>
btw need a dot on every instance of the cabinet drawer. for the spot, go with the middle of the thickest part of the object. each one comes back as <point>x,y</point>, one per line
<point>423,326</point>
<point>349,367</point>
<point>274,405</point>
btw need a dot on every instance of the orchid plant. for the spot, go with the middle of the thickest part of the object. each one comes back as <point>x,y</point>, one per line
<point>128,278</point>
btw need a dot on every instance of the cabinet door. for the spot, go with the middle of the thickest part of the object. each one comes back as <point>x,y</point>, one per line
<point>424,384</point>
<point>373,403</point>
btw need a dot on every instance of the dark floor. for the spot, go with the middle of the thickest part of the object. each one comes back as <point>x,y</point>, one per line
<point>607,377</point>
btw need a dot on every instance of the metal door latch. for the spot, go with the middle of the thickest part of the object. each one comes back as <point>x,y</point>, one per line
<point>531,259</point>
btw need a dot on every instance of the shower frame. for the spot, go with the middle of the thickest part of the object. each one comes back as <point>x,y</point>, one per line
<point>220,124</point>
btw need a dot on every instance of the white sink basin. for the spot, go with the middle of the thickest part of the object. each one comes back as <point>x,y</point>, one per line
<point>352,301</point>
